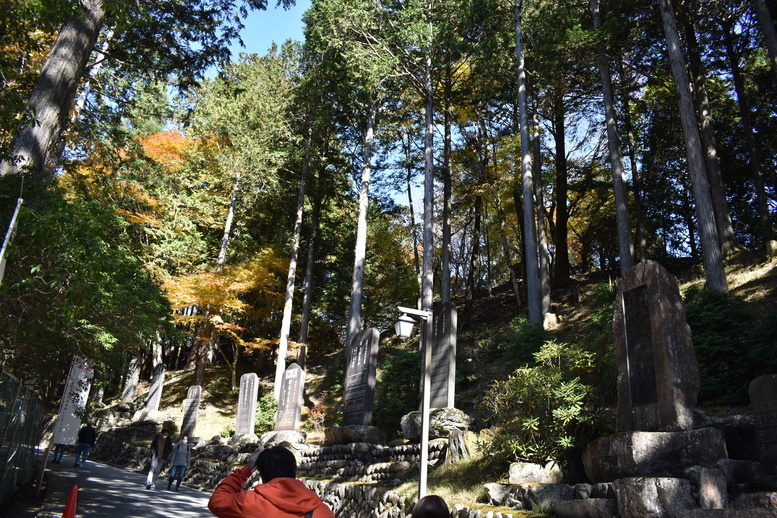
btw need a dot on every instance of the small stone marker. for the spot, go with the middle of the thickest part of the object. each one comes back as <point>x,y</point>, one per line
<point>763,397</point>
<point>245,420</point>
<point>131,384</point>
<point>290,403</point>
<point>443,368</point>
<point>71,408</point>
<point>658,379</point>
<point>359,393</point>
<point>190,409</point>
<point>155,391</point>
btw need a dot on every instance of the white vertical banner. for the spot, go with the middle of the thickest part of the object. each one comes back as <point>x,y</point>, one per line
<point>73,403</point>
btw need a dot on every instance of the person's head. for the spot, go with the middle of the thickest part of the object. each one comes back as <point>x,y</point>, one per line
<point>165,432</point>
<point>431,506</point>
<point>276,462</point>
<point>184,439</point>
<point>90,423</point>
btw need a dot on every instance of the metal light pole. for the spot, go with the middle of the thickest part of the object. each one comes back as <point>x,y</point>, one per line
<point>427,332</point>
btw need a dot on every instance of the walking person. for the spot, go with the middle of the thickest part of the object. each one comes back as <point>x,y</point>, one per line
<point>86,437</point>
<point>59,452</point>
<point>161,447</point>
<point>280,495</point>
<point>180,460</point>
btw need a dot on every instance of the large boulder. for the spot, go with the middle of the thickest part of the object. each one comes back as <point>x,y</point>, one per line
<point>441,422</point>
<point>527,473</point>
<point>147,414</point>
<point>282,437</point>
<point>652,454</point>
<point>660,497</point>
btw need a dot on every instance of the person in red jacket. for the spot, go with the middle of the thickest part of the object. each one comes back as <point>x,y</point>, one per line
<point>279,495</point>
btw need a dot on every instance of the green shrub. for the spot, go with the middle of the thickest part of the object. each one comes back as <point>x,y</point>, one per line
<point>518,343</point>
<point>265,414</point>
<point>727,344</point>
<point>542,412</point>
<point>397,390</point>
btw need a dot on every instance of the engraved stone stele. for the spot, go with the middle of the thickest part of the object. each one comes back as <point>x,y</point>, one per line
<point>246,404</point>
<point>359,393</point>
<point>155,390</point>
<point>191,407</point>
<point>763,397</point>
<point>131,384</point>
<point>74,397</point>
<point>658,376</point>
<point>443,368</point>
<point>290,403</point>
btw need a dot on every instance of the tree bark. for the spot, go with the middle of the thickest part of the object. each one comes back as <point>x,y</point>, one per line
<point>283,344</point>
<point>222,259</point>
<point>445,277</point>
<point>561,231</point>
<point>726,235</point>
<point>542,233</point>
<point>623,221</point>
<point>765,227</point>
<point>360,252</point>
<point>530,241</point>
<point>54,92</point>
<point>307,299</point>
<point>767,27</point>
<point>712,259</point>
<point>427,281</point>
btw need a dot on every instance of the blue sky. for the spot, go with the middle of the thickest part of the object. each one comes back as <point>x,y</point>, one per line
<point>262,28</point>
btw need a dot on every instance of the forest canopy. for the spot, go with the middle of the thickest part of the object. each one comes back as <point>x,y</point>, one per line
<point>180,215</point>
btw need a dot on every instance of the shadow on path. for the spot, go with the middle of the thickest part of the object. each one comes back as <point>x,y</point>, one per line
<point>105,491</point>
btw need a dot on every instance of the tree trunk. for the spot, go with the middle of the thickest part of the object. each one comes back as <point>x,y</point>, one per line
<point>474,255</point>
<point>625,247</point>
<point>752,146</point>
<point>55,91</point>
<point>635,173</point>
<point>530,241</point>
<point>726,235</point>
<point>283,344</point>
<point>411,209</point>
<point>770,35</point>
<point>427,282</point>
<point>222,259</point>
<point>445,277</point>
<point>360,252</point>
<point>307,299</point>
<point>712,259</point>
<point>561,231</point>
<point>542,233</point>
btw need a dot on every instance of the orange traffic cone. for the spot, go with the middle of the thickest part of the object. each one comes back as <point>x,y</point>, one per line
<point>70,507</point>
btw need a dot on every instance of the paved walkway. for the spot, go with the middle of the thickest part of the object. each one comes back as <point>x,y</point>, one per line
<point>108,492</point>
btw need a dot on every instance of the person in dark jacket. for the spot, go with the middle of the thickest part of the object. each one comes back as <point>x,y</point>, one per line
<point>280,495</point>
<point>161,447</point>
<point>86,437</point>
<point>179,461</point>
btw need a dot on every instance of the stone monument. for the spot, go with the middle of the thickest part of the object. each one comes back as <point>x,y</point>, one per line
<point>131,383</point>
<point>443,367</point>
<point>155,390</point>
<point>190,409</point>
<point>245,420</point>
<point>658,376</point>
<point>763,397</point>
<point>359,393</point>
<point>658,381</point>
<point>74,397</point>
<point>290,402</point>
